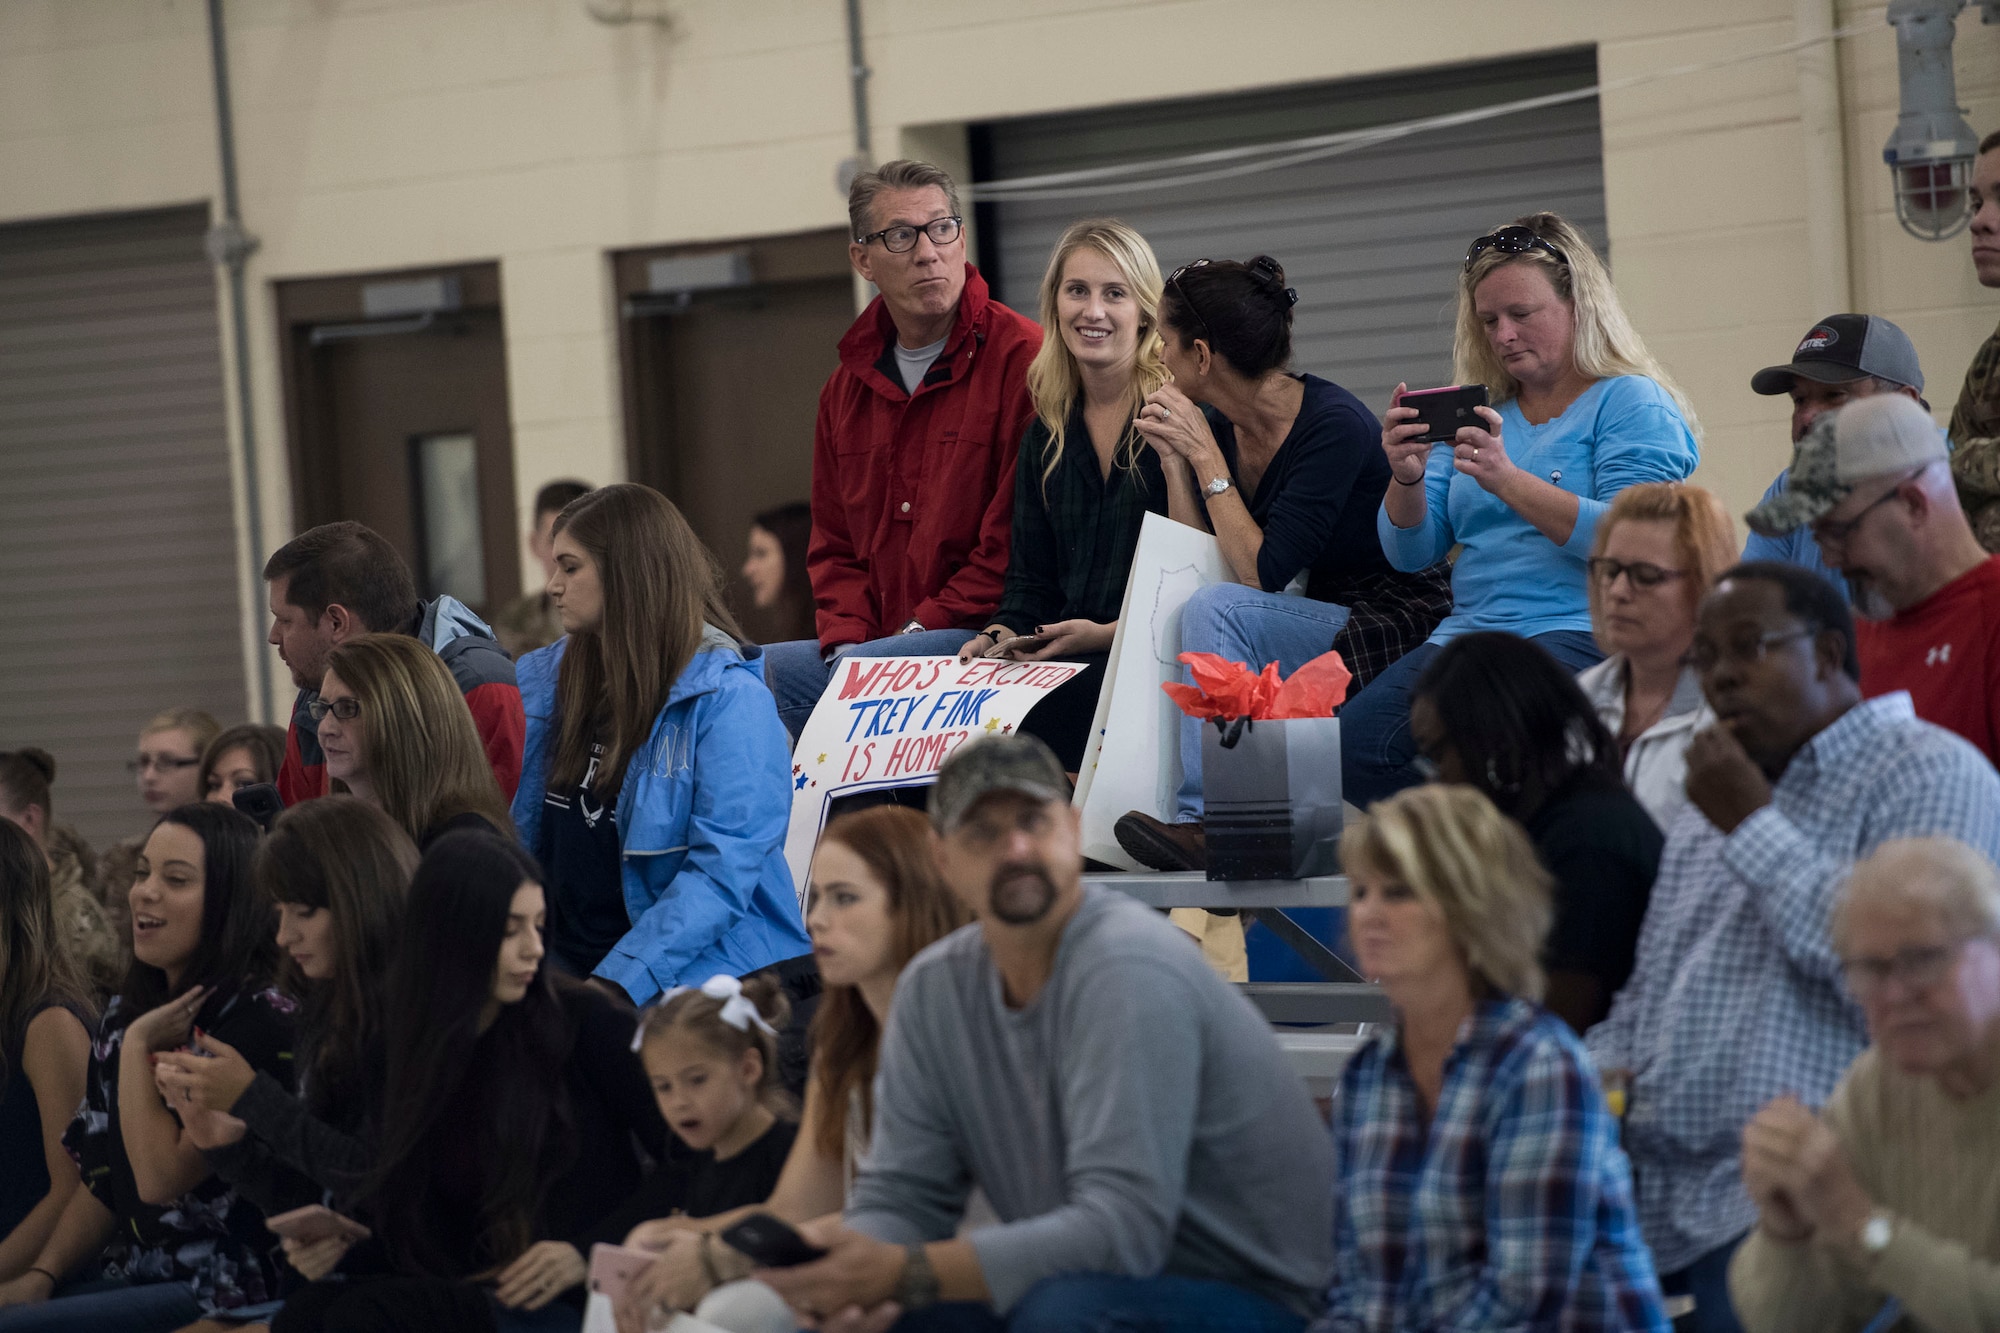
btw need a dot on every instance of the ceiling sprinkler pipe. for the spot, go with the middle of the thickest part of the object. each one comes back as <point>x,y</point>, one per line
<point>1930,153</point>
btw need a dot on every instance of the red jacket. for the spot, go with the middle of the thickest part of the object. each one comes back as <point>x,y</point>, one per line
<point>913,495</point>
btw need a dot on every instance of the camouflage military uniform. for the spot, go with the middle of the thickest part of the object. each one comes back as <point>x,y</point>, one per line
<point>1975,438</point>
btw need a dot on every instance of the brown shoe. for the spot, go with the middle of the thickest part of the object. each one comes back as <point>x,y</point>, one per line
<point>1160,845</point>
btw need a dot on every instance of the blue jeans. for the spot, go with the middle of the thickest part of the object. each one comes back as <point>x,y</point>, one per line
<point>1707,1280</point>
<point>1377,756</point>
<point>1100,1303</point>
<point>798,677</point>
<point>108,1306</point>
<point>1245,625</point>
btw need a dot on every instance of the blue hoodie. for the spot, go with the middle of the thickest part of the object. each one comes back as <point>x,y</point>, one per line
<point>701,820</point>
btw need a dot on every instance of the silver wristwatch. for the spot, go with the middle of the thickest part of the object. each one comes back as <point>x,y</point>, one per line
<point>1218,486</point>
<point>918,1286</point>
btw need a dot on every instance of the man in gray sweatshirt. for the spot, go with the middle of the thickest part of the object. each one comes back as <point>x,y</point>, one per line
<point>1126,1112</point>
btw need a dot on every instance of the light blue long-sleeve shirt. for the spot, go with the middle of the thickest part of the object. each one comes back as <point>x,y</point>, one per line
<point>1509,576</point>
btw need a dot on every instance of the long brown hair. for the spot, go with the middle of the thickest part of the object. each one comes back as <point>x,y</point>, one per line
<point>661,585</point>
<point>419,741</point>
<point>346,857</point>
<point>36,966</point>
<point>894,843</point>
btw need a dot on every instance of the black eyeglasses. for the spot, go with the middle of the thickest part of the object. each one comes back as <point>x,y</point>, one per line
<point>346,710</point>
<point>1644,574</point>
<point>902,238</point>
<point>1838,533</point>
<point>1745,649</point>
<point>1512,241</point>
<point>1174,281</point>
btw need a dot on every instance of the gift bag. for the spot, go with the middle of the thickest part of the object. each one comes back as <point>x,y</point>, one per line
<point>1272,795</point>
<point>1270,765</point>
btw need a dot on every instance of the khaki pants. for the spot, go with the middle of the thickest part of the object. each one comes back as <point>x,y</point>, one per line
<point>1221,940</point>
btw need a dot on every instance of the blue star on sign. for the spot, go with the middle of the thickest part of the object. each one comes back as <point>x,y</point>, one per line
<point>799,782</point>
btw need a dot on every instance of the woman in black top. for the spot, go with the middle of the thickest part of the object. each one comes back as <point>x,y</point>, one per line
<point>1085,480</point>
<point>45,1021</point>
<point>338,870</point>
<point>1290,472</point>
<point>1497,712</point>
<point>511,1106</point>
<point>174,1242</point>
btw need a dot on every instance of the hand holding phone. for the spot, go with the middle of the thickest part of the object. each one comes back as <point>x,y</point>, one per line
<point>1021,643</point>
<point>770,1243</point>
<point>614,1268</point>
<point>1442,411</point>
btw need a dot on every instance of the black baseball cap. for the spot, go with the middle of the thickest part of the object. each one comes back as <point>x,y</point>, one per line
<point>1846,347</point>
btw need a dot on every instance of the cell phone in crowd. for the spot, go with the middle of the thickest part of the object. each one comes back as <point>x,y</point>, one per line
<point>613,1268</point>
<point>1022,643</point>
<point>316,1222</point>
<point>1442,411</point>
<point>260,801</point>
<point>770,1243</point>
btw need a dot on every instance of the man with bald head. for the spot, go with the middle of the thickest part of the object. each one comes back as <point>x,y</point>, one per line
<point>1873,483</point>
<point>1893,1190</point>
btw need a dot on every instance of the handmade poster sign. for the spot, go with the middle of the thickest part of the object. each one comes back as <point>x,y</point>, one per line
<point>890,721</point>
<point>1133,759</point>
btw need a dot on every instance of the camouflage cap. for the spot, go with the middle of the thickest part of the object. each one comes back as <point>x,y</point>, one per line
<point>977,769</point>
<point>1869,438</point>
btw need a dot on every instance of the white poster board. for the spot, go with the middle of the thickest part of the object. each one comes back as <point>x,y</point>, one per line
<point>1133,760</point>
<point>890,721</point>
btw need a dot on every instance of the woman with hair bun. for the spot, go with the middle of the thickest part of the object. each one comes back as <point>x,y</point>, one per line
<point>1286,471</point>
<point>1581,410</point>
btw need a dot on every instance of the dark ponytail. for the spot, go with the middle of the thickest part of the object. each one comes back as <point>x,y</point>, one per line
<point>1243,311</point>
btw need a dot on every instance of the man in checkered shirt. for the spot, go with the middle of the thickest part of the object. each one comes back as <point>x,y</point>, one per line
<point>1736,996</point>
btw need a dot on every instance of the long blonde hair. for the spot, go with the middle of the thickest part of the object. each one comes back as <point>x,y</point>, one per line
<point>1453,848</point>
<point>1053,378</point>
<point>1605,343</point>
<point>419,742</point>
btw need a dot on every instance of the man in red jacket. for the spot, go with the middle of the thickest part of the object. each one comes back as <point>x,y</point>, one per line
<point>913,452</point>
<point>339,581</point>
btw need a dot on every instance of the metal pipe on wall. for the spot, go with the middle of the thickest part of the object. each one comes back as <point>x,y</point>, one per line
<point>231,247</point>
<point>1828,280</point>
<point>857,82</point>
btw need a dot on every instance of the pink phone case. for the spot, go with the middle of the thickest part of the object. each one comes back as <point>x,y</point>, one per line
<point>613,1268</point>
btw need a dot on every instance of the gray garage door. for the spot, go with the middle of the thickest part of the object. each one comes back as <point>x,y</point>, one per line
<point>1372,240</point>
<point>117,550</point>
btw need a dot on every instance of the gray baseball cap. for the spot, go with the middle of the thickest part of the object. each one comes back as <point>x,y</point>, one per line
<point>1871,437</point>
<point>1846,347</point>
<point>977,769</point>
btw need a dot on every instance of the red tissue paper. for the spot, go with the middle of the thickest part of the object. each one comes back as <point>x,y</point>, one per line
<point>1231,689</point>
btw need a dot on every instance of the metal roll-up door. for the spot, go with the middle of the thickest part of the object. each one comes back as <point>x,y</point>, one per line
<point>118,589</point>
<point>1373,240</point>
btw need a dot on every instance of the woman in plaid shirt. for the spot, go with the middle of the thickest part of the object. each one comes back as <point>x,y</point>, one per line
<point>1479,1182</point>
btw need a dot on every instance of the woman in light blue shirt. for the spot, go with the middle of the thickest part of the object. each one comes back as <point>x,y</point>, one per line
<point>1582,411</point>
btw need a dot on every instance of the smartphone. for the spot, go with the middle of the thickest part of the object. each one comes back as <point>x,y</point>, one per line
<point>1021,643</point>
<point>259,800</point>
<point>1442,411</point>
<point>315,1222</point>
<point>770,1243</point>
<point>613,1268</point>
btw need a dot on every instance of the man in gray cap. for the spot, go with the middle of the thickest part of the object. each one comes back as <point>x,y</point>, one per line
<point>1126,1111</point>
<point>1841,358</point>
<point>1872,483</point>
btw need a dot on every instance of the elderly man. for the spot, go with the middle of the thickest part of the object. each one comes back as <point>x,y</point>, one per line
<point>1894,1189</point>
<point>1975,421</point>
<point>1736,997</point>
<point>913,452</point>
<point>1874,486</point>
<point>1156,1165</point>
<point>1842,359</point>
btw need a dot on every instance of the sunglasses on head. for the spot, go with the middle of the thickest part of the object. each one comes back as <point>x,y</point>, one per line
<point>1174,281</point>
<point>1511,241</point>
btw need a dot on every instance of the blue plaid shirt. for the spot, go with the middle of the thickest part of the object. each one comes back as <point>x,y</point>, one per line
<point>1511,1209</point>
<point>1737,997</point>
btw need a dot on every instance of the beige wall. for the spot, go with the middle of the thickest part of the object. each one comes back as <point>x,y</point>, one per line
<point>389,133</point>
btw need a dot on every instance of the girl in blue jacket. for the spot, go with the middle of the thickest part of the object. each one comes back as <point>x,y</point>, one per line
<point>655,784</point>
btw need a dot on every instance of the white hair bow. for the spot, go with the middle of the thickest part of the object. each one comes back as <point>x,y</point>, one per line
<point>738,1010</point>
